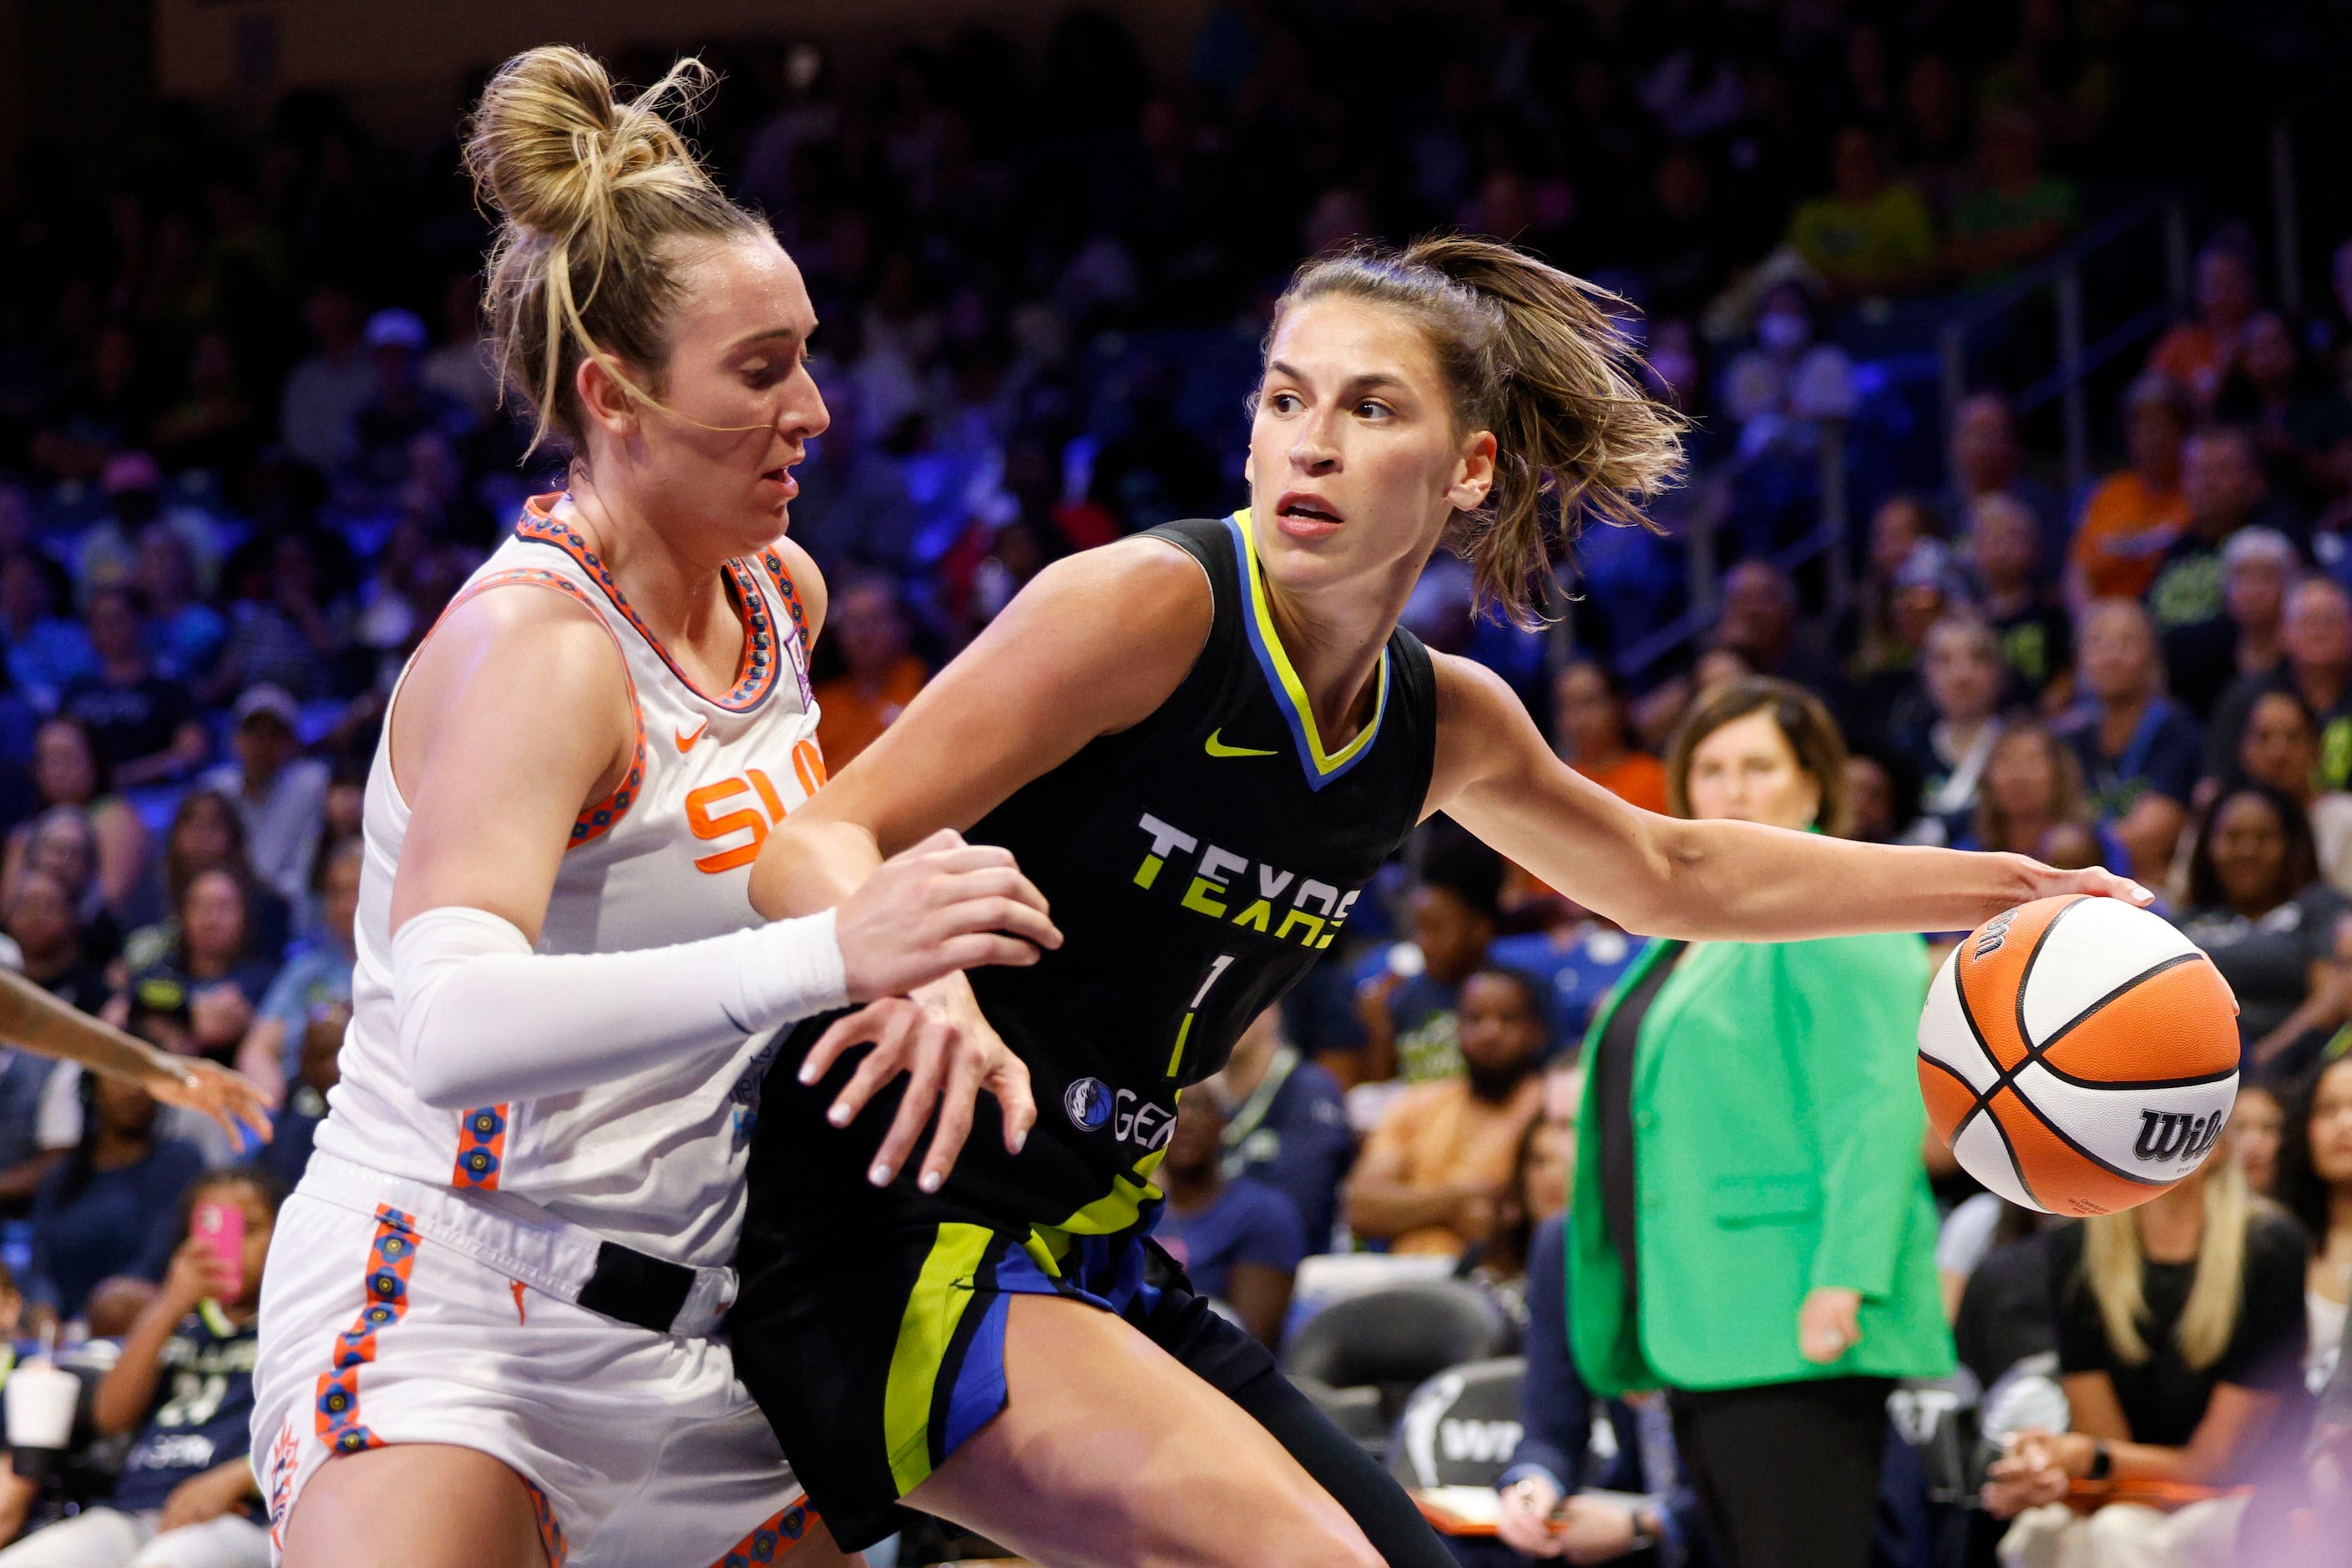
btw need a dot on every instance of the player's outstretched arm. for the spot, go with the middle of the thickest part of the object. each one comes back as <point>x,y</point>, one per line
<point>33,1020</point>
<point>1661,876</point>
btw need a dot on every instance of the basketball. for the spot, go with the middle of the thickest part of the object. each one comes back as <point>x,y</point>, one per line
<point>2078,1056</point>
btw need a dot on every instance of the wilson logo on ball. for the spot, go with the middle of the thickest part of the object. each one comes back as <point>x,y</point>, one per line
<point>2168,1135</point>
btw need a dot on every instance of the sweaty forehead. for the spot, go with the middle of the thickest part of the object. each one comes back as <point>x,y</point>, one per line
<point>1337,339</point>
<point>730,288</point>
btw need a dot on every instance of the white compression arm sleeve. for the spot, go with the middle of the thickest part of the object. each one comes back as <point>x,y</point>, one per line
<point>482,1018</point>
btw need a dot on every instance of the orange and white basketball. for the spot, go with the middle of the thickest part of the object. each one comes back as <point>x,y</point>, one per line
<point>2078,1055</point>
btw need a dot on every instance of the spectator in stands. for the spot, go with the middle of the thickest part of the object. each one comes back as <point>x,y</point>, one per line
<point>2015,213</point>
<point>46,929</point>
<point>184,634</point>
<point>207,831</point>
<point>1548,1510</point>
<point>109,1206</point>
<point>182,1391</point>
<point>314,982</point>
<point>284,629</point>
<point>2314,1175</point>
<point>2302,426</point>
<point>1963,673</point>
<point>1240,1241</point>
<point>69,774</point>
<point>2257,1131</point>
<point>1406,1008</point>
<point>317,1072</point>
<point>1901,524</point>
<point>2033,803</point>
<point>1779,392</point>
<point>1878,808</point>
<point>2037,638</point>
<point>2315,643</point>
<point>2257,566</point>
<point>1534,1194</point>
<point>2198,354</point>
<point>1286,1124</point>
<point>880,674</point>
<point>1759,625</point>
<point>2139,752</point>
<point>372,456</point>
<point>48,650</point>
<point>2257,906</point>
<point>1593,730</point>
<point>280,794</point>
<point>214,968</point>
<point>325,390</point>
<point>2224,485</point>
<point>144,723</point>
<point>61,845</point>
<point>1986,463</point>
<point>2281,749</point>
<point>2180,1336</point>
<point>1431,1175</point>
<point>1751,1113</point>
<point>1869,234</point>
<point>2132,517</point>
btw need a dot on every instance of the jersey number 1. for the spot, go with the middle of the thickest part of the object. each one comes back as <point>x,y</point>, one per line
<point>1176,1057</point>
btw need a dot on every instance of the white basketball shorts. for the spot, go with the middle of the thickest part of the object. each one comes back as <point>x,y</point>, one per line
<point>638,1448</point>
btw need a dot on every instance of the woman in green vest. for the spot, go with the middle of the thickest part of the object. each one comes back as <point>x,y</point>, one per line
<point>1752,1230</point>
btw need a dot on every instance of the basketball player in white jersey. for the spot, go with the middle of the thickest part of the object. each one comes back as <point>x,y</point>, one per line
<point>487,1322</point>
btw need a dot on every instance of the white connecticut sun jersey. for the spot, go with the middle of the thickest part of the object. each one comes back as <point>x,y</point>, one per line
<point>654,1160</point>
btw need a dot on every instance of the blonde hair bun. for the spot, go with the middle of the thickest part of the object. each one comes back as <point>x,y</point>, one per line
<point>592,191</point>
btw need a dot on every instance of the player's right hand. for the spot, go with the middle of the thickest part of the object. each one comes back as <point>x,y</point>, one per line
<point>236,1101</point>
<point>949,1053</point>
<point>942,906</point>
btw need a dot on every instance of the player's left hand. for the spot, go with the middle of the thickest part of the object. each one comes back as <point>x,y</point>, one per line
<point>231,1099</point>
<point>949,1053</point>
<point>2050,882</point>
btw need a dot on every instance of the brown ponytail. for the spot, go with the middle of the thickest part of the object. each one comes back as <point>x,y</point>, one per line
<point>1536,357</point>
<point>593,193</point>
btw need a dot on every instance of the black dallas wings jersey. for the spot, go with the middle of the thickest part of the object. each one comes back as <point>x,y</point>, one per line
<point>1198,865</point>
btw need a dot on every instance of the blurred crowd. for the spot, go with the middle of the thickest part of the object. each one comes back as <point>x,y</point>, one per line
<point>249,447</point>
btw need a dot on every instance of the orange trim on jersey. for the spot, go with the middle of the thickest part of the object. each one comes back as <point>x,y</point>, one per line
<point>391,1256</point>
<point>776,1535</point>
<point>782,576</point>
<point>601,817</point>
<point>481,1149</point>
<point>755,671</point>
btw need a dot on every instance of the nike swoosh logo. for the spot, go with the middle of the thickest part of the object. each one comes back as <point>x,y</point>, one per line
<point>1217,747</point>
<point>685,740</point>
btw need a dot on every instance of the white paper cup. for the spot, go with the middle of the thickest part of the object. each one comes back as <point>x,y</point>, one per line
<point>40,1400</point>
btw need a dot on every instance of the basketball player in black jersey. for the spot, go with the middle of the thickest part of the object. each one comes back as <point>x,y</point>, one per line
<point>1201,743</point>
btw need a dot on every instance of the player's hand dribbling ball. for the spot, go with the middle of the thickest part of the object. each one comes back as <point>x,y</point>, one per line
<point>2078,1055</point>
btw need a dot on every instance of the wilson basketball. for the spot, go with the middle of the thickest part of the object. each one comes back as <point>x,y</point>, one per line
<point>2078,1055</point>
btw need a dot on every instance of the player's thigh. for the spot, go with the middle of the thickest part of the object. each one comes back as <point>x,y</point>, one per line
<point>102,1537</point>
<point>414,1505</point>
<point>1109,1453</point>
<point>232,1541</point>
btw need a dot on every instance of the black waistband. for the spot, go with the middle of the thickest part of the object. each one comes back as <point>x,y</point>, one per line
<point>635,1289</point>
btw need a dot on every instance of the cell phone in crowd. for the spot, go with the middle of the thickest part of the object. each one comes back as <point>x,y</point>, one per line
<point>221,1226</point>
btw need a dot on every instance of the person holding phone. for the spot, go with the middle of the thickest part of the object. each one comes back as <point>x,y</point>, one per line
<point>187,1498</point>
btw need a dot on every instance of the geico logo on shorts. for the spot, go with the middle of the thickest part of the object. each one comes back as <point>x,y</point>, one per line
<point>1145,1125</point>
<point>1088,1103</point>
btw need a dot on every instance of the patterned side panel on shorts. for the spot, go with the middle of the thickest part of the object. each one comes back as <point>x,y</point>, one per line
<point>481,1149</point>
<point>390,1258</point>
<point>551,1532</point>
<point>779,1536</point>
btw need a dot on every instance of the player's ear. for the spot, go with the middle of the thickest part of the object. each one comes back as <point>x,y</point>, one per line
<point>604,400</point>
<point>1474,472</point>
